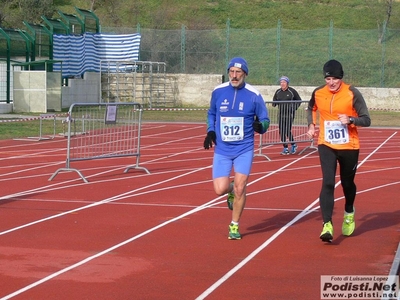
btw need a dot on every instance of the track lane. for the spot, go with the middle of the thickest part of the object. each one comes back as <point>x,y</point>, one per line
<point>215,238</point>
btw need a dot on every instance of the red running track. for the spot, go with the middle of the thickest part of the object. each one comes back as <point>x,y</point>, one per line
<point>164,235</point>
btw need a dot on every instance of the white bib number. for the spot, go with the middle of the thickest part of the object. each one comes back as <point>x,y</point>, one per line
<point>232,129</point>
<point>336,132</point>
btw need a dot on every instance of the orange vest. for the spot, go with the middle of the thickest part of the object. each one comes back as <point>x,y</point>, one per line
<point>329,105</point>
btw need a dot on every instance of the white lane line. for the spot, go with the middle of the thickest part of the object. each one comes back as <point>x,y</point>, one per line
<point>114,198</point>
<point>111,199</point>
<point>204,206</point>
<point>259,191</point>
<point>121,197</point>
<point>27,155</point>
<point>305,212</point>
<point>29,169</point>
<point>62,185</point>
<point>195,210</point>
<point>47,278</point>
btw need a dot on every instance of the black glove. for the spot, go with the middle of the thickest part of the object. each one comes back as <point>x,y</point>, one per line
<point>210,139</point>
<point>257,126</point>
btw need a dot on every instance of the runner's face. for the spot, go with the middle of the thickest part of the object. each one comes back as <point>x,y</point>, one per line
<point>284,84</point>
<point>236,76</point>
<point>333,83</point>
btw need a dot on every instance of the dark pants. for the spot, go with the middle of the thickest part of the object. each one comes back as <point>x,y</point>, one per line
<point>285,128</point>
<point>348,160</point>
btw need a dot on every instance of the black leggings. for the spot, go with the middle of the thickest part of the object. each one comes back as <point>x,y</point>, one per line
<point>285,129</point>
<point>348,160</point>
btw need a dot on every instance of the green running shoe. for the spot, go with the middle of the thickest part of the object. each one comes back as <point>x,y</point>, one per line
<point>349,224</point>
<point>327,232</point>
<point>234,232</point>
<point>231,198</point>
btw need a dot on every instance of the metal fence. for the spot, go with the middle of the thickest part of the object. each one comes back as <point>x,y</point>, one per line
<point>46,127</point>
<point>299,54</point>
<point>98,131</point>
<point>6,81</point>
<point>368,59</point>
<point>288,125</point>
<point>143,82</point>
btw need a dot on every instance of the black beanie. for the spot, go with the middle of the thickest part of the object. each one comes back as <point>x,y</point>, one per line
<point>333,68</point>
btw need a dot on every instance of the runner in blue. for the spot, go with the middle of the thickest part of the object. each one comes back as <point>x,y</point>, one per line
<point>237,110</point>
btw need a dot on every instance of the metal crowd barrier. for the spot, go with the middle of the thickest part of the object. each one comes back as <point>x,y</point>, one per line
<point>103,130</point>
<point>44,129</point>
<point>286,117</point>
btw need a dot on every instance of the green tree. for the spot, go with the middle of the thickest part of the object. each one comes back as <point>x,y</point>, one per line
<point>32,10</point>
<point>6,9</point>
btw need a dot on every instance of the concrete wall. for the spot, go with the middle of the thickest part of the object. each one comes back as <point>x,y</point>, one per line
<point>6,108</point>
<point>376,98</point>
<point>36,91</point>
<point>53,91</point>
<point>195,90</point>
<point>82,90</point>
<point>29,91</point>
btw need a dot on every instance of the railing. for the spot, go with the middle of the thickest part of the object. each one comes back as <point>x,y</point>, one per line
<point>104,130</point>
<point>288,125</point>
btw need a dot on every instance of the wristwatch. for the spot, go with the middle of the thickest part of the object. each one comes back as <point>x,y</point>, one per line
<point>351,120</point>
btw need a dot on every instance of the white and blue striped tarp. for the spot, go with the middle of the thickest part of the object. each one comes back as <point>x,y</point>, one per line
<point>82,53</point>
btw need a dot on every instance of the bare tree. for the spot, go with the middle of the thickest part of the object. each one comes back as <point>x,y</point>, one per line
<point>111,6</point>
<point>382,11</point>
